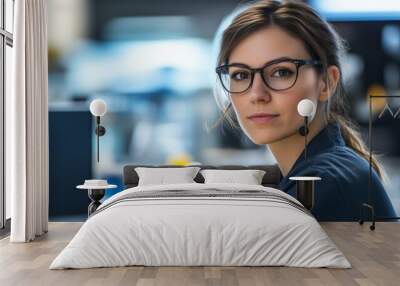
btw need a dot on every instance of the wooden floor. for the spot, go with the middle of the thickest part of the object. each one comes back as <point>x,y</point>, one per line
<point>374,255</point>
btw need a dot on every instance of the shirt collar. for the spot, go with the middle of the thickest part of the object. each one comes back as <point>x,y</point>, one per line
<point>330,136</point>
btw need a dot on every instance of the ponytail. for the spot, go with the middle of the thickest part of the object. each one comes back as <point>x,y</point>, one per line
<point>353,139</point>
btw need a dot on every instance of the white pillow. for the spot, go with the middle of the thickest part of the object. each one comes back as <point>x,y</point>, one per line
<point>162,176</point>
<point>248,177</point>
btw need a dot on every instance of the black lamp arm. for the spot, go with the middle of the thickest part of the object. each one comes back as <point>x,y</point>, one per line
<point>305,137</point>
<point>100,131</point>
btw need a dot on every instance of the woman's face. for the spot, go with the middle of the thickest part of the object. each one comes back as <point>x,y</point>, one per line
<point>257,49</point>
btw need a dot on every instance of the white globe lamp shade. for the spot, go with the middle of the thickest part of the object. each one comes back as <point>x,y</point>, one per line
<point>306,108</point>
<point>98,107</point>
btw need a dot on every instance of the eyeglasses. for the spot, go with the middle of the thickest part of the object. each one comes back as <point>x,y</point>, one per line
<point>279,74</point>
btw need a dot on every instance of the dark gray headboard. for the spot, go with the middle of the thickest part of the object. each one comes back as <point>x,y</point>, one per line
<point>271,178</point>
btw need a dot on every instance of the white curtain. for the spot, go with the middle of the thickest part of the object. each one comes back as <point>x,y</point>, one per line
<point>27,123</point>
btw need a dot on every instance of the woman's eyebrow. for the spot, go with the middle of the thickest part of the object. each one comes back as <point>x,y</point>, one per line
<point>278,60</point>
<point>266,63</point>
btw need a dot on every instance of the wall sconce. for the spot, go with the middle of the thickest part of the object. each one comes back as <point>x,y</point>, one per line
<point>98,108</point>
<point>306,108</point>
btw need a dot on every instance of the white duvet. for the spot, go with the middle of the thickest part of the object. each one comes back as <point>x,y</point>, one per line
<point>200,231</point>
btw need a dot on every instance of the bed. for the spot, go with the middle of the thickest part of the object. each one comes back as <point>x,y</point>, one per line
<point>201,224</point>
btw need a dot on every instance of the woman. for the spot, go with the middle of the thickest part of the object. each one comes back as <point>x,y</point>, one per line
<point>273,55</point>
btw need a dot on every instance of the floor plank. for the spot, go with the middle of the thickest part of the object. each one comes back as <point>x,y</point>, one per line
<point>374,255</point>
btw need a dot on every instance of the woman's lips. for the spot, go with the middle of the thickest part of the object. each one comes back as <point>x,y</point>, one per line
<point>262,117</point>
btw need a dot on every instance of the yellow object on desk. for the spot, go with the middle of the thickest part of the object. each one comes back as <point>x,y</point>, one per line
<point>182,159</point>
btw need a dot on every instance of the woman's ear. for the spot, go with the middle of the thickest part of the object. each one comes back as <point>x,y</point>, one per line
<point>329,85</point>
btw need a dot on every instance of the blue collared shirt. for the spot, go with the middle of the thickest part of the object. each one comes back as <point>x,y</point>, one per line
<point>344,185</point>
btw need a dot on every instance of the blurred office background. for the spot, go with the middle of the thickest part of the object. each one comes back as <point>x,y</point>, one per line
<point>153,63</point>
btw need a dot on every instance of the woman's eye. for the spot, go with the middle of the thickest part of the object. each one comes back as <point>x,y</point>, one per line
<point>241,75</point>
<point>282,73</point>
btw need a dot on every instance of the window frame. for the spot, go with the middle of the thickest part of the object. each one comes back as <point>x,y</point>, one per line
<point>6,39</point>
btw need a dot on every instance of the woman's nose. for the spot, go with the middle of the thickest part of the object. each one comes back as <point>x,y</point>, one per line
<point>259,91</point>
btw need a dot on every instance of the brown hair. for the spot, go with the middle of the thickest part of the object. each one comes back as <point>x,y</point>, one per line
<point>321,41</point>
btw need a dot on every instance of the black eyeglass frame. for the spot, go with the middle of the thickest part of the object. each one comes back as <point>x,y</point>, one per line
<point>298,62</point>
